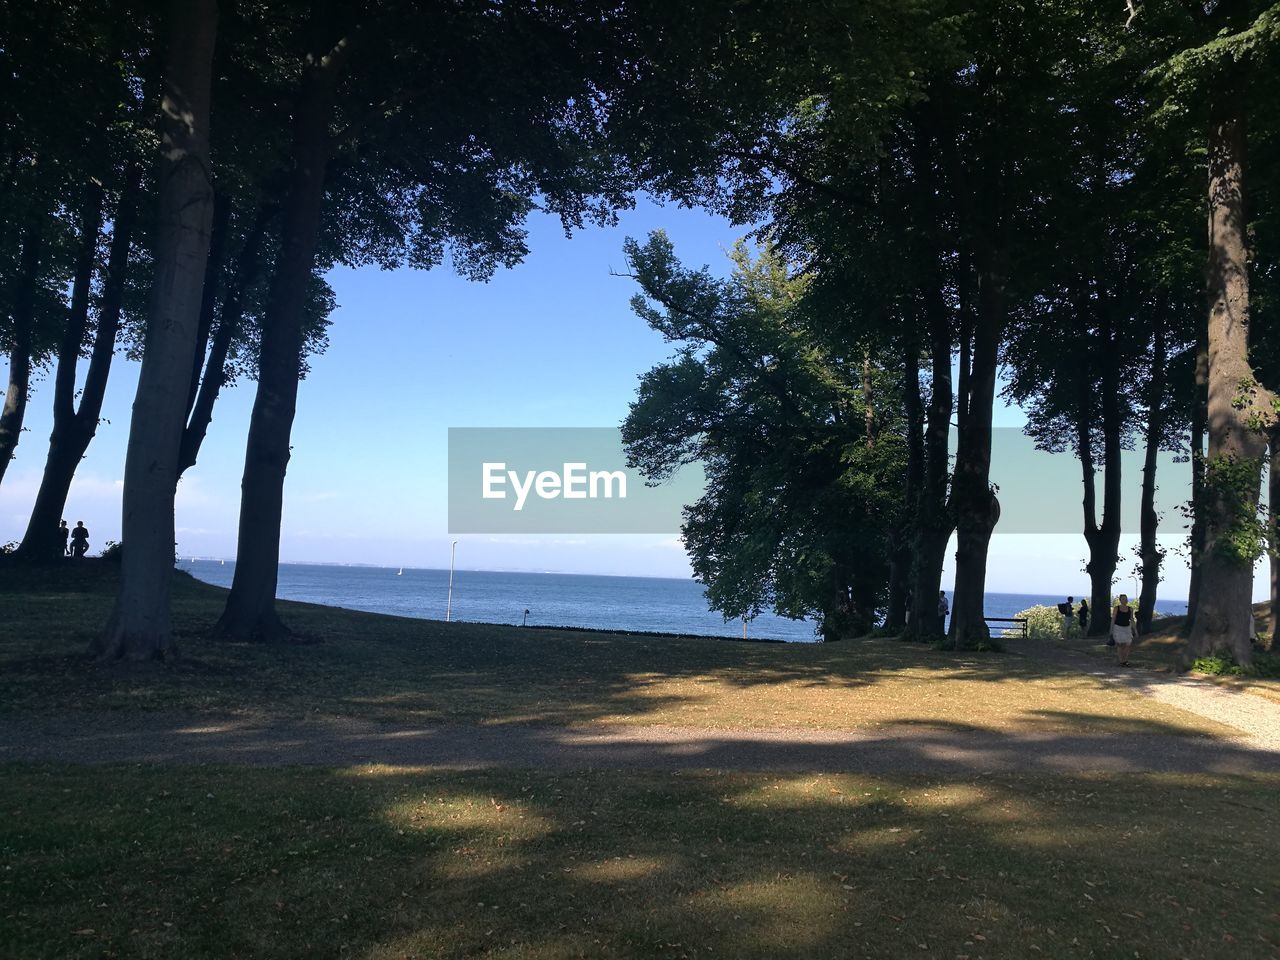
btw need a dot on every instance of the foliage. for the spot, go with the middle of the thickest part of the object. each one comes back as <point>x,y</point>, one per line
<point>112,552</point>
<point>801,507</point>
<point>1230,488</point>
<point>1221,664</point>
<point>1045,623</point>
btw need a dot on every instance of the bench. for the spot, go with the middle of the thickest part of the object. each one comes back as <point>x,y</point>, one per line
<point>1021,621</point>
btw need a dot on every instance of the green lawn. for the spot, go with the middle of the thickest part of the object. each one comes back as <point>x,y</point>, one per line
<point>380,863</point>
<point>403,670</point>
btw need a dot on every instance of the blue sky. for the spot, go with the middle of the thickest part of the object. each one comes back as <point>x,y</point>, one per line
<point>552,342</point>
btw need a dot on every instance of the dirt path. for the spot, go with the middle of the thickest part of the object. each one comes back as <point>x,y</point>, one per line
<point>1257,719</point>
<point>942,749</point>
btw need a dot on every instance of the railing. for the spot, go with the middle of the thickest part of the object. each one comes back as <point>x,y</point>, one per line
<point>1021,621</point>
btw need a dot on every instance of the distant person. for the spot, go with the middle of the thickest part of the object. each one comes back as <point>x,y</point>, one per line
<point>943,610</point>
<point>79,540</point>
<point>1123,629</point>
<point>66,536</point>
<point>1083,614</point>
<point>1068,611</point>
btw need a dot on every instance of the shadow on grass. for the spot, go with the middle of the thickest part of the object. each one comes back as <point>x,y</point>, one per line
<point>393,669</point>
<point>915,746</point>
<point>378,863</point>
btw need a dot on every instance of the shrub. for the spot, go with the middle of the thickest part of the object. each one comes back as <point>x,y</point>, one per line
<point>1223,665</point>
<point>1044,623</point>
<point>113,552</point>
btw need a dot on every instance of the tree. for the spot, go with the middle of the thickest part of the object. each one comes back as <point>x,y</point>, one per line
<point>74,426</point>
<point>398,130</point>
<point>139,628</point>
<point>1225,61</point>
<point>802,458</point>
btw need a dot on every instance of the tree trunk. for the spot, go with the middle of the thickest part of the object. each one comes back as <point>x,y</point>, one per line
<point>1148,548</point>
<point>1273,505</point>
<point>976,509</point>
<point>212,286</point>
<point>1240,412</point>
<point>140,628</point>
<point>74,429</point>
<point>230,315</point>
<point>934,523</point>
<point>41,544</point>
<point>23,316</point>
<point>1199,424</point>
<point>1104,538</point>
<point>250,611</point>
<point>900,567</point>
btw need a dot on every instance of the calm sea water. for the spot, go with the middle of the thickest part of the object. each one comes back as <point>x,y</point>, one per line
<point>552,599</point>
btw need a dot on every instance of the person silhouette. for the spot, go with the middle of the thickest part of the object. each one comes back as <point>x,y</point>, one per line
<point>66,534</point>
<point>1068,611</point>
<point>79,540</point>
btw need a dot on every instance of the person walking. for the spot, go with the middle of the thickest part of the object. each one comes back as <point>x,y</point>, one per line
<point>1083,615</point>
<point>1124,628</point>
<point>79,540</point>
<point>1068,611</point>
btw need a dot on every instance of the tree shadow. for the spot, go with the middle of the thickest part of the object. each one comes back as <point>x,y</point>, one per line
<point>407,671</point>
<point>376,863</point>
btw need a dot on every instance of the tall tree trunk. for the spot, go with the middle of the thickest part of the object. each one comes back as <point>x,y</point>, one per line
<point>1199,425</point>
<point>1149,550</point>
<point>211,290</point>
<point>250,611</point>
<point>140,628</point>
<point>975,506</point>
<point>74,429</point>
<point>1104,538</point>
<point>1273,510</point>
<point>23,317</point>
<point>934,523</point>
<point>900,565</point>
<point>1239,411</point>
<point>230,316</point>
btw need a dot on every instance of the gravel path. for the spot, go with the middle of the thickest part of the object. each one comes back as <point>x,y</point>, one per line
<point>1257,719</point>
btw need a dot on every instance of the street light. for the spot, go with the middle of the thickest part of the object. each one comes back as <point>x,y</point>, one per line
<point>448,607</point>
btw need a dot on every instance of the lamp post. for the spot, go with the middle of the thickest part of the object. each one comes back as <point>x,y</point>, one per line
<point>448,607</point>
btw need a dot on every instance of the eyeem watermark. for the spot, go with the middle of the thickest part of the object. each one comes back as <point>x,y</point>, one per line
<point>576,480</point>
<point>558,480</point>
<point>573,482</point>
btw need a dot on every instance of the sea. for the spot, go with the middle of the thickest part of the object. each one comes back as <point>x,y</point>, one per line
<point>649,604</point>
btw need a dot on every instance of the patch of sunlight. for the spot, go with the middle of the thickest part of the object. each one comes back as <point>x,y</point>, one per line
<point>617,869</point>
<point>801,790</point>
<point>788,912</point>
<point>948,797</point>
<point>471,813</point>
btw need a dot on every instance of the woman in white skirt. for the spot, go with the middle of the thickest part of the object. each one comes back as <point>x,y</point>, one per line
<point>1124,628</point>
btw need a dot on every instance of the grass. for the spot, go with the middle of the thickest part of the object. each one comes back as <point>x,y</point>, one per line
<point>402,670</point>
<point>377,863</point>
<point>392,862</point>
